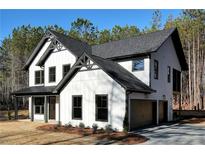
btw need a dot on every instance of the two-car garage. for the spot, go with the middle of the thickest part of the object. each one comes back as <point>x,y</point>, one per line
<point>143,113</point>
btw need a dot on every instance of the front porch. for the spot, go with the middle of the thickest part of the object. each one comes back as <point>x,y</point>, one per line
<point>44,108</point>
<point>43,104</point>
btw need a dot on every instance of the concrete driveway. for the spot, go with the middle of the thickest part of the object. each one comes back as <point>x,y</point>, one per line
<point>177,134</point>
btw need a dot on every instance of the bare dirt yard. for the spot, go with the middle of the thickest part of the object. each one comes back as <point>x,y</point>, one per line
<point>26,132</point>
<point>195,121</point>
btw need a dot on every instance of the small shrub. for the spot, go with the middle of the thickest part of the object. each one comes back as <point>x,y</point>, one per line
<point>81,125</point>
<point>115,130</point>
<point>108,129</point>
<point>102,130</point>
<point>95,127</point>
<point>125,129</point>
<point>88,127</point>
<point>68,125</point>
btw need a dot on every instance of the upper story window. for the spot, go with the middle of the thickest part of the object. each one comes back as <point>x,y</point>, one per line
<point>52,74</point>
<point>168,74</point>
<point>101,102</point>
<point>176,80</point>
<point>39,77</point>
<point>138,65</point>
<point>77,107</point>
<point>156,69</point>
<point>66,69</point>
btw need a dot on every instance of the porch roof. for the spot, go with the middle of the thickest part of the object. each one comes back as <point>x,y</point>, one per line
<point>36,90</point>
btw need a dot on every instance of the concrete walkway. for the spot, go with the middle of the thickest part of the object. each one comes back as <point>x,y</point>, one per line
<point>177,134</point>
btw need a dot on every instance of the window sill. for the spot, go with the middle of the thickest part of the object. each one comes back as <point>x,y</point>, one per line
<point>137,70</point>
<point>40,84</point>
<point>51,81</point>
<point>77,119</point>
<point>101,120</point>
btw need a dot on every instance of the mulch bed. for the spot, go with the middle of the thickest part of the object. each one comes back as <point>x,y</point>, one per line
<point>192,121</point>
<point>120,137</point>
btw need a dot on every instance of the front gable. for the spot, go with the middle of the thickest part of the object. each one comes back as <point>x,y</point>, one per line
<point>58,56</point>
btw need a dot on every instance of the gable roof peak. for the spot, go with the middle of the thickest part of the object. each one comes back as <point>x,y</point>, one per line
<point>58,34</point>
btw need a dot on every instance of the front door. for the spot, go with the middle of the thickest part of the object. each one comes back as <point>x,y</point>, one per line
<point>52,107</point>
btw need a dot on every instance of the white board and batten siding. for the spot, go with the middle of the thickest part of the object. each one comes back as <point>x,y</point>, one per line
<point>88,84</point>
<point>58,59</point>
<point>143,75</point>
<point>166,56</point>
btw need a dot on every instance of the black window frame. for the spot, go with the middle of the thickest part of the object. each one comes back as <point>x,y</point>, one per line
<point>49,74</point>
<point>156,69</point>
<point>41,77</point>
<point>77,107</point>
<point>40,106</point>
<point>176,80</point>
<point>133,63</point>
<point>63,69</point>
<point>97,108</point>
<point>168,74</point>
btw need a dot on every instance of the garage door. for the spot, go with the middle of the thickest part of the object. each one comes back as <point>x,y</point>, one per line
<point>162,111</point>
<point>142,113</point>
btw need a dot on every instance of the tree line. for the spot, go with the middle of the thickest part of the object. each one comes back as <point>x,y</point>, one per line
<point>16,48</point>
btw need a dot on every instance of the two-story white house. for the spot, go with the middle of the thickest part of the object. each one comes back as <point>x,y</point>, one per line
<point>126,83</point>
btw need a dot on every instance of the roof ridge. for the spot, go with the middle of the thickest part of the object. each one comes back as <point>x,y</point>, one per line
<point>140,35</point>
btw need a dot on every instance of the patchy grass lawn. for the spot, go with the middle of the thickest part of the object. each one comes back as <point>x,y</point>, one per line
<point>23,114</point>
<point>26,132</point>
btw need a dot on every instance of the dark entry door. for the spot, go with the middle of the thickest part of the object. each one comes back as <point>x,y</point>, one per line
<point>52,107</point>
<point>163,111</point>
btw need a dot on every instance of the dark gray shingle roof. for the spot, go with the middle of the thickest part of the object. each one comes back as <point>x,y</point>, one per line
<point>36,90</point>
<point>34,53</point>
<point>75,46</point>
<point>143,44</point>
<point>126,79</point>
<point>131,46</point>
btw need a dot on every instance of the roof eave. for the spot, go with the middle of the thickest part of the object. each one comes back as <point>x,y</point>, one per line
<point>141,91</point>
<point>34,53</point>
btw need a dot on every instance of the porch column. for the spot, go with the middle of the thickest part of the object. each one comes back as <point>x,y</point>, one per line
<point>46,109</point>
<point>32,108</point>
<point>157,116</point>
<point>16,107</point>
